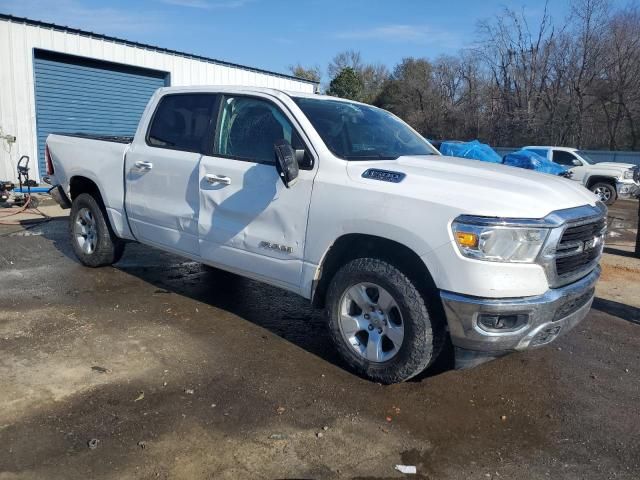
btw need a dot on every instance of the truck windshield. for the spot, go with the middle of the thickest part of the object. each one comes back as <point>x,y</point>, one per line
<point>359,132</point>
<point>586,157</point>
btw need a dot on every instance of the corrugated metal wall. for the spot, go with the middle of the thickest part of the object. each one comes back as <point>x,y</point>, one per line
<point>18,40</point>
<point>75,95</point>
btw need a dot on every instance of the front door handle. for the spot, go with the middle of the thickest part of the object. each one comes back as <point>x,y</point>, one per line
<point>212,179</point>
<point>143,166</point>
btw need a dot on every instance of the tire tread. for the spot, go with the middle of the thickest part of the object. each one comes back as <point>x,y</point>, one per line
<point>109,248</point>
<point>426,339</point>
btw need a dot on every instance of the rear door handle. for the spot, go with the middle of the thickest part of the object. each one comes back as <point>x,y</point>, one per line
<point>212,179</point>
<point>143,165</point>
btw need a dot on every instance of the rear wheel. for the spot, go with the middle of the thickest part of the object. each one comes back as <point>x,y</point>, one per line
<point>605,191</point>
<point>92,240</point>
<point>380,322</point>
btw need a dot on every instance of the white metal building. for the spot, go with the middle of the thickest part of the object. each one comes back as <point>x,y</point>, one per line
<point>60,79</point>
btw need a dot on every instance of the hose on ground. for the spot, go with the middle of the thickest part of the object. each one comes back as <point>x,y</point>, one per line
<point>33,210</point>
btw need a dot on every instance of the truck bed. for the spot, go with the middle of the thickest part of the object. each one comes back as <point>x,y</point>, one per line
<point>99,158</point>
<point>101,137</point>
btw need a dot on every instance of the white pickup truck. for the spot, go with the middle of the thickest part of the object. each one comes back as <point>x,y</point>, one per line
<point>346,205</point>
<point>608,180</point>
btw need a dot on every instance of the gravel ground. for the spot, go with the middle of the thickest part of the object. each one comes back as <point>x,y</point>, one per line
<point>156,368</point>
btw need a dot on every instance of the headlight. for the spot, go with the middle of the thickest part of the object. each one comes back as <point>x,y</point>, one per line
<point>499,243</point>
<point>628,175</point>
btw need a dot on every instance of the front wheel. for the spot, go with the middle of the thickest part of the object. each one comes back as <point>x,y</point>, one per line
<point>92,240</point>
<point>606,192</point>
<point>380,323</point>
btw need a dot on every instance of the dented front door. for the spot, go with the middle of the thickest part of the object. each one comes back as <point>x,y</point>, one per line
<point>249,221</point>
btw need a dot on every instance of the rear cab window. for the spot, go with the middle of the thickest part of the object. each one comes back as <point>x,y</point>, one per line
<point>184,121</point>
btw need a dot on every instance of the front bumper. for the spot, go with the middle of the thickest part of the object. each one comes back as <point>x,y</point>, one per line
<point>628,189</point>
<point>549,316</point>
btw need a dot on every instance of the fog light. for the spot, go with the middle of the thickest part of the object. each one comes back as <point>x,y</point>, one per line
<point>546,335</point>
<point>502,323</point>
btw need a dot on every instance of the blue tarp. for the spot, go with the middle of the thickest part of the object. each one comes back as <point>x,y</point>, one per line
<point>532,161</point>
<point>473,150</point>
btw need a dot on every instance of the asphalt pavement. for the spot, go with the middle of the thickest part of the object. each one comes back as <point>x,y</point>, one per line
<point>158,368</point>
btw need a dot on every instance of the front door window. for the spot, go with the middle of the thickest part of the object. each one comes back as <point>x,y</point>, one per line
<point>249,128</point>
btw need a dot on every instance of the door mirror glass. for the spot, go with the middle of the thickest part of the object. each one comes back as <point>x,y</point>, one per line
<point>286,162</point>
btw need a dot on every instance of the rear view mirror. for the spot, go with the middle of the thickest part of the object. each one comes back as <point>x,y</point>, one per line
<point>576,162</point>
<point>286,162</point>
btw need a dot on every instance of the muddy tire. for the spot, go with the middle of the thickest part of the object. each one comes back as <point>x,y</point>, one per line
<point>92,239</point>
<point>605,191</point>
<point>370,300</point>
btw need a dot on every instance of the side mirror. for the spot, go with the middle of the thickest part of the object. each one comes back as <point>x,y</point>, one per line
<point>304,160</point>
<point>286,163</point>
<point>576,162</point>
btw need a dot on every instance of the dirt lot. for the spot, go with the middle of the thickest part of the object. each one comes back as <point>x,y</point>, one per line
<point>177,372</point>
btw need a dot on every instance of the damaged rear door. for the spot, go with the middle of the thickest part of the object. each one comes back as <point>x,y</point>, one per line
<point>161,172</point>
<point>248,220</point>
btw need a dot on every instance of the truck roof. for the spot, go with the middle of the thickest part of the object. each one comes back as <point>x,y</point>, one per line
<point>565,149</point>
<point>244,88</point>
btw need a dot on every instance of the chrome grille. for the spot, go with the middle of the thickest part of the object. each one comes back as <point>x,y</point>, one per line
<point>580,247</point>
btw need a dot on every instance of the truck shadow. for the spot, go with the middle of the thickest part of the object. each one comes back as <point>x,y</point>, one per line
<point>624,312</point>
<point>282,313</point>
<point>619,252</point>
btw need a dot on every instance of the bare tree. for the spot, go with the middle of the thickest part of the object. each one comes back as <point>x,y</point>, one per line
<point>347,59</point>
<point>618,91</point>
<point>576,83</point>
<point>590,20</point>
<point>308,73</point>
<point>518,59</point>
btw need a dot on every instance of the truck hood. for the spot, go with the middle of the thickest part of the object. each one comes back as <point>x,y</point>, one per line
<point>475,187</point>
<point>614,165</point>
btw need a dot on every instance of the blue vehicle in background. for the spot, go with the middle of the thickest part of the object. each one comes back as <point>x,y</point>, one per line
<point>476,150</point>
<point>473,150</point>
<point>532,161</point>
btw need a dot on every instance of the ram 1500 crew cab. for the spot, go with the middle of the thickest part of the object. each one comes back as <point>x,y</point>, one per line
<point>346,205</point>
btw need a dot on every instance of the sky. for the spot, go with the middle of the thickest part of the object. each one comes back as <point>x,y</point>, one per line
<point>274,34</point>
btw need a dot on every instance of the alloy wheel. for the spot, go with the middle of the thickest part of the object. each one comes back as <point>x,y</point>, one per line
<point>85,231</point>
<point>371,322</point>
<point>603,193</point>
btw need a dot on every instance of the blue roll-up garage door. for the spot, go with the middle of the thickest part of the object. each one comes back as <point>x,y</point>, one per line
<point>80,95</point>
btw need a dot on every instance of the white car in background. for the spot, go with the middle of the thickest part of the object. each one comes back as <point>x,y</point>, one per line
<point>608,180</point>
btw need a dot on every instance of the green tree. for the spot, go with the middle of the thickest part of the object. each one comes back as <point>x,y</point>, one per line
<point>346,84</point>
<point>372,75</point>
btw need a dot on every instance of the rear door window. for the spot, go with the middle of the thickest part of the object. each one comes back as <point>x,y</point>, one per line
<point>184,122</point>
